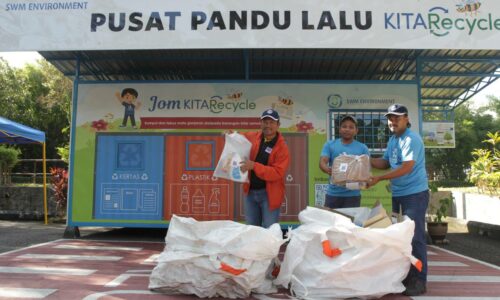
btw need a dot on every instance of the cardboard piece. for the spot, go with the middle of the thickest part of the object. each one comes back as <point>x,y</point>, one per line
<point>378,217</point>
<point>351,171</point>
<point>375,217</point>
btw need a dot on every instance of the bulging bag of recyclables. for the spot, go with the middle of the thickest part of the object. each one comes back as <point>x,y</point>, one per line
<point>351,171</point>
<point>330,257</point>
<point>216,259</point>
<point>236,149</point>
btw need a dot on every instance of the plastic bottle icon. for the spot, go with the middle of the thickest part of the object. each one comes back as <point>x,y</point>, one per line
<point>184,200</point>
<point>198,202</point>
<point>235,171</point>
<point>214,202</point>
<point>283,208</point>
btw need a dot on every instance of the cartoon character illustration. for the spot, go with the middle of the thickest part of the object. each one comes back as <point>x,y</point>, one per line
<point>235,96</point>
<point>128,98</point>
<point>468,6</point>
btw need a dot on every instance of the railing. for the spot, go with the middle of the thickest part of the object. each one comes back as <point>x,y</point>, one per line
<point>31,170</point>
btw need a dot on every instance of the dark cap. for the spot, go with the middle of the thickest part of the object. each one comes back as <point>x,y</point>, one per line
<point>270,113</point>
<point>397,109</point>
<point>349,117</point>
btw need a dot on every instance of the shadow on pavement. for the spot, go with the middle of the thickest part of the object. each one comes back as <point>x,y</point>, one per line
<point>128,234</point>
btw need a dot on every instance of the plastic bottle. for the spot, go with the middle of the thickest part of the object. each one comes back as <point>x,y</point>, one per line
<point>283,207</point>
<point>198,202</point>
<point>214,202</point>
<point>236,171</point>
<point>184,200</point>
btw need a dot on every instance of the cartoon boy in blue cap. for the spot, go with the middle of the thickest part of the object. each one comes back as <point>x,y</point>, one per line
<point>127,98</point>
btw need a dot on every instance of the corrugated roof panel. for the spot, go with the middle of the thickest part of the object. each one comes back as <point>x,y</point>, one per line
<point>446,74</point>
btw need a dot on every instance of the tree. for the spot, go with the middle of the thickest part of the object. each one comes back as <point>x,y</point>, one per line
<point>470,126</point>
<point>492,108</point>
<point>38,96</point>
<point>485,168</point>
<point>8,159</point>
<point>448,137</point>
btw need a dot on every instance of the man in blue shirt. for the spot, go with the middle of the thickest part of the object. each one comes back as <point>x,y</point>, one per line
<point>405,156</point>
<point>338,196</point>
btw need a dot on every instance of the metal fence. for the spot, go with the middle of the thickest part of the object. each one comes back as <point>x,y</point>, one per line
<point>31,170</point>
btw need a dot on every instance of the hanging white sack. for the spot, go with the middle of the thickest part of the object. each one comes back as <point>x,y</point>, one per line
<point>216,259</point>
<point>330,257</point>
<point>236,149</point>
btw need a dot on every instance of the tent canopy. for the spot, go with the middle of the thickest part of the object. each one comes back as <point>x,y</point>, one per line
<point>15,133</point>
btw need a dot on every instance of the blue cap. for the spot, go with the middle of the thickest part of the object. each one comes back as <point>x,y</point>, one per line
<point>270,113</point>
<point>397,109</point>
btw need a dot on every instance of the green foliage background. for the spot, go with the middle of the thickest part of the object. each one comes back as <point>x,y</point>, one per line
<point>471,126</point>
<point>39,96</point>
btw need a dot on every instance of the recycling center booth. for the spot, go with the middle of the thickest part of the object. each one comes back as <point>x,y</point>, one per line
<point>156,83</point>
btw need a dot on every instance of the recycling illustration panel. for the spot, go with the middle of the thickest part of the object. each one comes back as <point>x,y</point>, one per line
<point>189,186</point>
<point>295,182</point>
<point>128,178</point>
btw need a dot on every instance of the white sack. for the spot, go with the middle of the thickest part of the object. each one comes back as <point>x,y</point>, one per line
<point>195,251</point>
<point>373,262</point>
<point>236,149</point>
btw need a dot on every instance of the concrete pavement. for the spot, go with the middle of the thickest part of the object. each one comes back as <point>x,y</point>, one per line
<point>19,234</point>
<point>109,263</point>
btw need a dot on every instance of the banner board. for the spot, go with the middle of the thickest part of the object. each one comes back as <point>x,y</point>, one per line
<point>193,24</point>
<point>438,134</point>
<point>142,152</point>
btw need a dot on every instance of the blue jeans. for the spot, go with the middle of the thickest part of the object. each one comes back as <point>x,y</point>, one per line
<point>342,202</point>
<point>126,116</point>
<point>414,206</point>
<point>257,209</point>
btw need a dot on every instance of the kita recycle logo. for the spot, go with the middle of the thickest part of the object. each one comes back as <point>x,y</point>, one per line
<point>468,17</point>
<point>440,24</point>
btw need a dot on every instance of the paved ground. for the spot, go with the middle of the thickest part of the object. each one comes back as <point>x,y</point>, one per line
<point>21,269</point>
<point>483,248</point>
<point>98,269</point>
<point>15,235</point>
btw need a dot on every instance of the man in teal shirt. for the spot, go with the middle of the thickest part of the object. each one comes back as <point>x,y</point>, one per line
<point>405,156</point>
<point>339,196</point>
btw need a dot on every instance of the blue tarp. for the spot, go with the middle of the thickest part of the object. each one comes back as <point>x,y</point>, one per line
<point>15,133</point>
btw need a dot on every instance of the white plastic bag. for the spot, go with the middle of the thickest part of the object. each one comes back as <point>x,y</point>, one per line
<point>330,257</point>
<point>236,149</point>
<point>216,259</point>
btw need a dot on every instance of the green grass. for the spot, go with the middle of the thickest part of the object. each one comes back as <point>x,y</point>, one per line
<point>436,144</point>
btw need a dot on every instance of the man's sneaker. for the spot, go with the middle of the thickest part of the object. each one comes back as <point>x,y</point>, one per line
<point>415,287</point>
<point>135,127</point>
<point>122,126</point>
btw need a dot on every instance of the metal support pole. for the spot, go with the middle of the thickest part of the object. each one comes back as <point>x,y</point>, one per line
<point>45,208</point>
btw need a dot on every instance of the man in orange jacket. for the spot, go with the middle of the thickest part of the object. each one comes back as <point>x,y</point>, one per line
<point>269,158</point>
